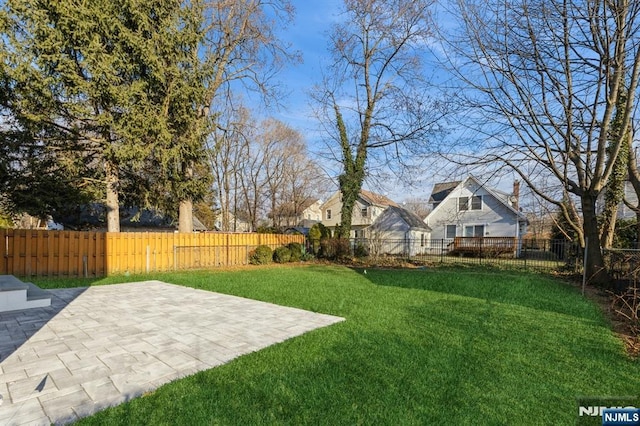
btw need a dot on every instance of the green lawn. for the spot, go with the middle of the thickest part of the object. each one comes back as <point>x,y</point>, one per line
<point>465,346</point>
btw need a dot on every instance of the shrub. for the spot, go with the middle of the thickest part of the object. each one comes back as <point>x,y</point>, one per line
<point>282,255</point>
<point>334,248</point>
<point>261,255</point>
<point>296,250</point>
<point>264,229</point>
<point>306,256</point>
<point>360,250</point>
<point>317,233</point>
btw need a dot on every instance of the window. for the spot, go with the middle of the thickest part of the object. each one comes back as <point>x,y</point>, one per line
<point>476,202</point>
<point>421,240</point>
<point>474,231</point>
<point>470,203</point>
<point>450,231</point>
<point>463,203</point>
<point>363,211</point>
<point>328,214</point>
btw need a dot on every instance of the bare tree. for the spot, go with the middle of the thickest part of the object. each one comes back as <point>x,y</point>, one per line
<point>374,96</point>
<point>303,183</point>
<point>227,149</point>
<point>275,140</point>
<point>419,206</point>
<point>240,44</point>
<point>547,76</point>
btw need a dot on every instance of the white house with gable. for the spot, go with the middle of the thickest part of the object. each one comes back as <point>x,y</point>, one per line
<point>469,208</point>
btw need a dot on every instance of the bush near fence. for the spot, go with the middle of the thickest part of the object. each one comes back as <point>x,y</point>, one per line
<point>91,254</point>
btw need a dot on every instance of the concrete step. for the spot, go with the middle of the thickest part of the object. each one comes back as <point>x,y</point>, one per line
<point>10,283</point>
<point>36,293</point>
<point>16,295</point>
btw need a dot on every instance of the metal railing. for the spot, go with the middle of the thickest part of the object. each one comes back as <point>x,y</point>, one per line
<point>529,254</point>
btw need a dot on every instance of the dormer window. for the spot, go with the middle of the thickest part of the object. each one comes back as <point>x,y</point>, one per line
<point>470,203</point>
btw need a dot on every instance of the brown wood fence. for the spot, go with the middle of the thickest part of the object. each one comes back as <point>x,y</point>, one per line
<point>93,254</point>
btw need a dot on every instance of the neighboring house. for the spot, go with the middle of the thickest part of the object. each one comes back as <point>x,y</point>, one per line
<point>624,211</point>
<point>468,208</point>
<point>26,221</point>
<point>93,217</point>
<point>398,231</point>
<point>366,210</point>
<point>303,214</point>
<point>234,223</point>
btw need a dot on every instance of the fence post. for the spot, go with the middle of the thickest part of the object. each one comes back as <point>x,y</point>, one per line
<point>524,247</point>
<point>175,257</point>
<point>148,258</point>
<point>584,264</point>
<point>442,250</point>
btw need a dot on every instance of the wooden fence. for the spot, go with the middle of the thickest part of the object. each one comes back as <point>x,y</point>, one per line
<point>93,254</point>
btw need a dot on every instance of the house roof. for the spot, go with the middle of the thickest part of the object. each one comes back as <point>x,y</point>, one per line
<point>441,190</point>
<point>377,199</point>
<point>93,216</point>
<point>410,218</point>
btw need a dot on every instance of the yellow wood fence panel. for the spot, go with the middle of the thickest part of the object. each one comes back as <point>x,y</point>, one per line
<point>92,254</point>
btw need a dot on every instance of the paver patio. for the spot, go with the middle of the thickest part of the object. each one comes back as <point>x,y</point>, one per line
<point>100,346</point>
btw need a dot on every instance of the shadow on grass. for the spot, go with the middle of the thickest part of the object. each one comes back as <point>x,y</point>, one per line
<point>529,290</point>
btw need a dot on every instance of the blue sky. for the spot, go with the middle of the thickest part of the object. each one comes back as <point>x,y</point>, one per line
<point>308,33</point>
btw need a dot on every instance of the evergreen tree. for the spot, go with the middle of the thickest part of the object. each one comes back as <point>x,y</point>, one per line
<point>91,80</point>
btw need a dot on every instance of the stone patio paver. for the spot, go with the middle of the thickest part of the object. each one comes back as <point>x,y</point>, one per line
<point>99,346</point>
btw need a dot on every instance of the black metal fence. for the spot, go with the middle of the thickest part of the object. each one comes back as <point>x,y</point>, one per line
<point>623,266</point>
<point>547,255</point>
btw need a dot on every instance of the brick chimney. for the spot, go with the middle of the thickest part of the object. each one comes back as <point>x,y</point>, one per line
<point>516,194</point>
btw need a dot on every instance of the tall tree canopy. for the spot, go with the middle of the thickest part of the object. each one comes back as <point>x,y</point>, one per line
<point>547,79</point>
<point>87,81</point>
<point>374,96</point>
<point>123,90</point>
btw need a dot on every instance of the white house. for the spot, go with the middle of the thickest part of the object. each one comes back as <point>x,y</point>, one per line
<point>468,208</point>
<point>624,211</point>
<point>398,231</point>
<point>303,214</point>
<point>366,210</point>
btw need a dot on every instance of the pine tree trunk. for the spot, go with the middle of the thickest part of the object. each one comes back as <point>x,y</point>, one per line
<point>112,203</point>
<point>185,220</point>
<point>185,213</point>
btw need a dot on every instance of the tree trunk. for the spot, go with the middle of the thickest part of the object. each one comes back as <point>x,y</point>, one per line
<point>609,226</point>
<point>112,203</point>
<point>353,177</point>
<point>185,221</point>
<point>185,213</point>
<point>595,271</point>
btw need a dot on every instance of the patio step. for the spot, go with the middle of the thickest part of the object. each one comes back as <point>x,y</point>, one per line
<point>16,295</point>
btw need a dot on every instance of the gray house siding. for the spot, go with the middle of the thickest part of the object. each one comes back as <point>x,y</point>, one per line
<point>494,218</point>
